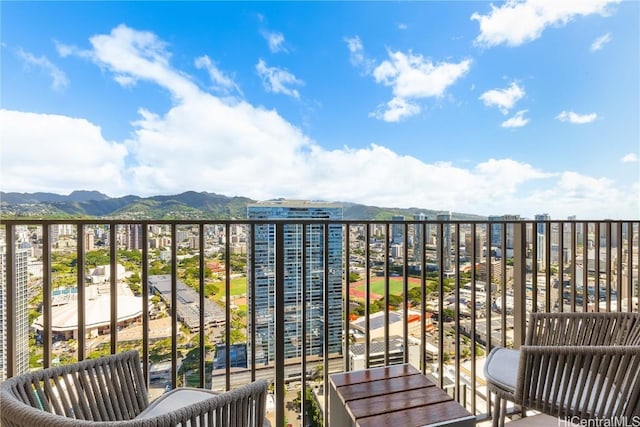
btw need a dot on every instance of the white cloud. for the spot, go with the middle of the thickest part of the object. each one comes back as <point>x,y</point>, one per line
<point>413,77</point>
<point>600,42</point>
<point>275,41</point>
<point>517,121</point>
<point>64,50</point>
<point>218,77</point>
<point>79,158</point>
<point>630,158</point>
<point>517,22</point>
<point>402,26</point>
<point>396,110</point>
<point>139,55</point>
<point>357,55</point>
<point>587,197</point>
<point>571,117</point>
<point>354,44</point>
<point>58,77</point>
<point>255,152</point>
<point>504,99</point>
<point>506,175</point>
<point>277,80</point>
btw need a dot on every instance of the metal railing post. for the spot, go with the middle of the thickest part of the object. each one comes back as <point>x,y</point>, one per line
<point>174,306</point>
<point>279,324</point>
<point>145,302</point>
<point>519,283</point>
<point>10,300</point>
<point>82,300</point>
<point>46,295</point>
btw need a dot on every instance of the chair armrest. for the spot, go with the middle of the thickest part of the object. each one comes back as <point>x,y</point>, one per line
<point>584,381</point>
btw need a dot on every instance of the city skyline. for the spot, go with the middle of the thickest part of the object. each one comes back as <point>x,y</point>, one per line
<point>521,107</point>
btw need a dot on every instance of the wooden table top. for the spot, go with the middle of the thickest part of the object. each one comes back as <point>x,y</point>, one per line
<point>397,395</point>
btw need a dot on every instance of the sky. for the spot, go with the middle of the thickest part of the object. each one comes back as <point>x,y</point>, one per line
<point>517,107</point>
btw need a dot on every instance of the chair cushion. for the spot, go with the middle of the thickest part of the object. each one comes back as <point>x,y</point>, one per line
<point>175,399</point>
<point>539,420</point>
<point>501,367</point>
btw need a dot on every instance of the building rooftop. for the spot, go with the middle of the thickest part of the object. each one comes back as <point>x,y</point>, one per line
<point>188,302</point>
<point>295,203</point>
<point>64,315</point>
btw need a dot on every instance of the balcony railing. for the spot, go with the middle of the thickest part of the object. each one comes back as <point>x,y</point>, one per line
<point>301,299</point>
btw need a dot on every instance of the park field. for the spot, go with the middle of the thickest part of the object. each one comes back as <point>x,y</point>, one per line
<point>377,286</point>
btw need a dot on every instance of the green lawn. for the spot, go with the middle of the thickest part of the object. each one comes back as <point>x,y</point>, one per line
<point>238,286</point>
<point>395,286</point>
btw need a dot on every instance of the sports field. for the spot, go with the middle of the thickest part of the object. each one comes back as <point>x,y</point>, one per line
<point>377,286</point>
<point>376,289</point>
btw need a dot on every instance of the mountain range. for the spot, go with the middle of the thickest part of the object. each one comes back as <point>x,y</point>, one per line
<point>187,205</point>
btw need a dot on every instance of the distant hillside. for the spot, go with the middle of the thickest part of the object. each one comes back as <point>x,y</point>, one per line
<point>27,198</point>
<point>356,211</point>
<point>187,205</point>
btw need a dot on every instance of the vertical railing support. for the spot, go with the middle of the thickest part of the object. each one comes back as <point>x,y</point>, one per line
<point>423,296</point>
<point>227,305</point>
<point>303,377</point>
<point>387,243</point>
<point>82,300</point>
<point>46,295</point>
<point>405,291</point>
<point>252,299</point>
<point>279,324</point>
<point>10,300</point>
<point>201,302</point>
<point>345,298</point>
<point>113,284</point>
<point>325,312</point>
<point>519,283</point>
<point>367,296</point>
<point>174,305</point>
<point>145,302</point>
<point>441,264</point>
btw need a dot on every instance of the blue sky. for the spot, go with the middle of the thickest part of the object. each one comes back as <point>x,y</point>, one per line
<point>517,107</point>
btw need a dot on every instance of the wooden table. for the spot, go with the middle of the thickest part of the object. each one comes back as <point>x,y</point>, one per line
<point>397,396</point>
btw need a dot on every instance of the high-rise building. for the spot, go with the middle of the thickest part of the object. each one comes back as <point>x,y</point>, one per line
<point>297,245</point>
<point>89,240</point>
<point>133,237</point>
<point>578,228</point>
<point>541,226</point>
<point>446,241</point>
<point>22,312</point>
<point>419,241</point>
<point>397,230</point>
<point>541,229</point>
<point>495,230</point>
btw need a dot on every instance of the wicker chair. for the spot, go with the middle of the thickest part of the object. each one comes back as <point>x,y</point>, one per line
<point>110,391</point>
<point>582,366</point>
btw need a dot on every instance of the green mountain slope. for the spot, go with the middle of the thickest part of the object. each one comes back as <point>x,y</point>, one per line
<point>187,205</point>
